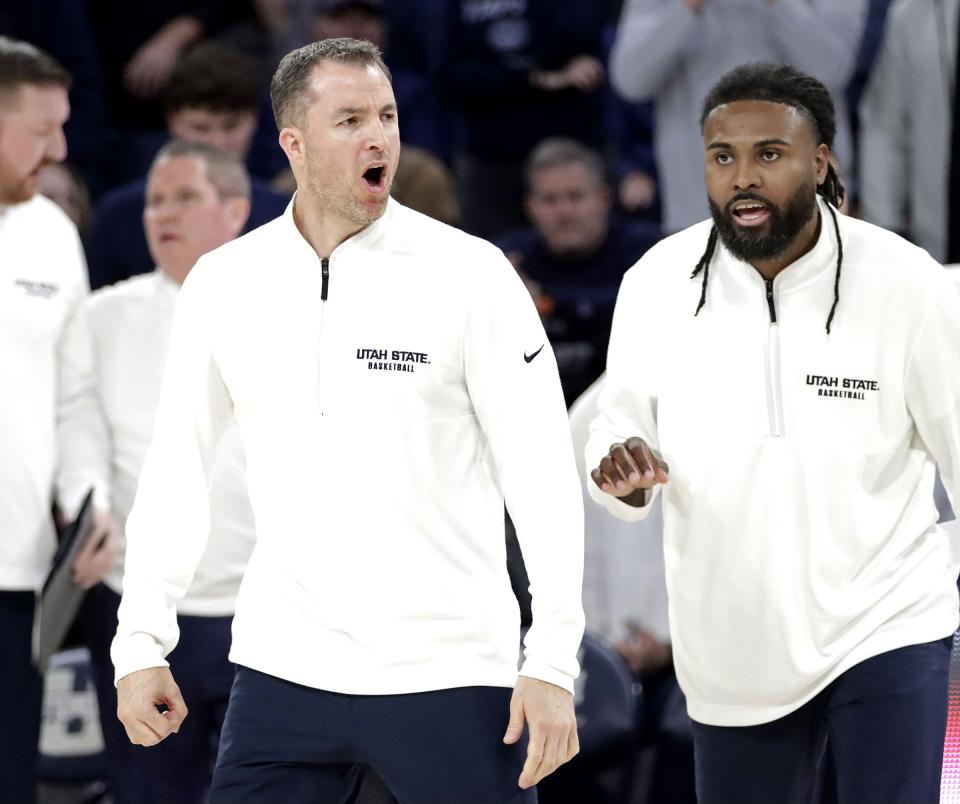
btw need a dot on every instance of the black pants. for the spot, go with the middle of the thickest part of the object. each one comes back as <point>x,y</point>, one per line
<point>22,690</point>
<point>883,722</point>
<point>283,742</point>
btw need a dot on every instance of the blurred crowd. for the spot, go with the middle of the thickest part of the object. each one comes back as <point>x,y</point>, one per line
<point>565,132</point>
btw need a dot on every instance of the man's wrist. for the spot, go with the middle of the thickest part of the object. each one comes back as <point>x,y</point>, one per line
<point>637,499</point>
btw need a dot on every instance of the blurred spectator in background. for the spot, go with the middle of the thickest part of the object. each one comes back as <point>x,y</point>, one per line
<point>48,401</point>
<point>138,45</point>
<point>211,98</point>
<point>63,184</point>
<point>910,128</point>
<point>673,50</point>
<point>574,255</point>
<point>518,72</point>
<point>197,198</point>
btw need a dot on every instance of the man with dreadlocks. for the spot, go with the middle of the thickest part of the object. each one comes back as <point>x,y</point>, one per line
<point>790,400</point>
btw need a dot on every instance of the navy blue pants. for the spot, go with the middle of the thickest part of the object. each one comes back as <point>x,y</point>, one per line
<point>179,769</point>
<point>22,693</point>
<point>883,722</point>
<point>285,742</point>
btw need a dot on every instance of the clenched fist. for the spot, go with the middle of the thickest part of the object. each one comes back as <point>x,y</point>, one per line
<point>629,469</point>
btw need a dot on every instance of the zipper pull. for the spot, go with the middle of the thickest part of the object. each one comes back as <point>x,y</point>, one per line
<point>770,305</point>
<point>325,277</point>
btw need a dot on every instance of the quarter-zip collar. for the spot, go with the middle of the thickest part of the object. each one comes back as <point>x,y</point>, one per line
<point>369,235</point>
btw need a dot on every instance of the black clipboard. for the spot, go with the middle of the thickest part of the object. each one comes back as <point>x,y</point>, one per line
<point>61,597</point>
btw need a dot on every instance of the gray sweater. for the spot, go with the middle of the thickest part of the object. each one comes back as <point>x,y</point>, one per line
<point>905,123</point>
<point>666,52</point>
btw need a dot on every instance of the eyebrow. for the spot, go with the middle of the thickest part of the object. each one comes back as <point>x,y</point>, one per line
<point>349,110</point>
<point>761,144</point>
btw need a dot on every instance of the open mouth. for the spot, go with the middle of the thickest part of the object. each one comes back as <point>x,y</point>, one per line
<point>375,177</point>
<point>750,213</point>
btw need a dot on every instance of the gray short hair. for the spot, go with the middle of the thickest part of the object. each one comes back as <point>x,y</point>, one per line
<point>226,173</point>
<point>557,151</point>
<point>290,87</point>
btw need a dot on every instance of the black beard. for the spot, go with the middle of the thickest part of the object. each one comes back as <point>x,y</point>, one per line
<point>785,225</point>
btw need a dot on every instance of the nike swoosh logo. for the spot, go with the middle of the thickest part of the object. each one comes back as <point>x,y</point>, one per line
<point>528,358</point>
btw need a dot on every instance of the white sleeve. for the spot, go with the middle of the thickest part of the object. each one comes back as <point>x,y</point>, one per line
<point>650,43</point>
<point>933,384</point>
<point>80,449</point>
<point>820,37</point>
<point>168,526</point>
<point>628,404</point>
<point>514,387</point>
<point>885,133</point>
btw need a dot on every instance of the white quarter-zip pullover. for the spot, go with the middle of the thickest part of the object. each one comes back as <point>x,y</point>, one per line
<point>389,399</point>
<point>46,376</point>
<point>130,325</point>
<point>800,528</point>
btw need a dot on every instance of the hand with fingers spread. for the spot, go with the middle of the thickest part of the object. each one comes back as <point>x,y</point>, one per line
<point>553,740</point>
<point>138,696</point>
<point>629,469</point>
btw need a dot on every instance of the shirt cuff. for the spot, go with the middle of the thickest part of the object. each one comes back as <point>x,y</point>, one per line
<point>544,672</point>
<point>135,652</point>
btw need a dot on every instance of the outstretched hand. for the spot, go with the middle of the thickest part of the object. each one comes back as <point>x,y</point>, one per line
<point>548,711</point>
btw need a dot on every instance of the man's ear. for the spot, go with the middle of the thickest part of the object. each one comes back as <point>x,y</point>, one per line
<point>822,163</point>
<point>291,140</point>
<point>238,210</point>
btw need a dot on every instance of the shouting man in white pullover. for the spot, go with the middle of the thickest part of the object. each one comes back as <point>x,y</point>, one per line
<point>197,198</point>
<point>798,392</point>
<point>391,380</point>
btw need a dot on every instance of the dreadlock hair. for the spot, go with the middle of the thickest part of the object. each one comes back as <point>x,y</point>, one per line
<point>780,83</point>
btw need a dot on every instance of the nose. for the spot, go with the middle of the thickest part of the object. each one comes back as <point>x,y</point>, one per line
<point>746,175</point>
<point>162,211</point>
<point>376,135</point>
<point>57,146</point>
